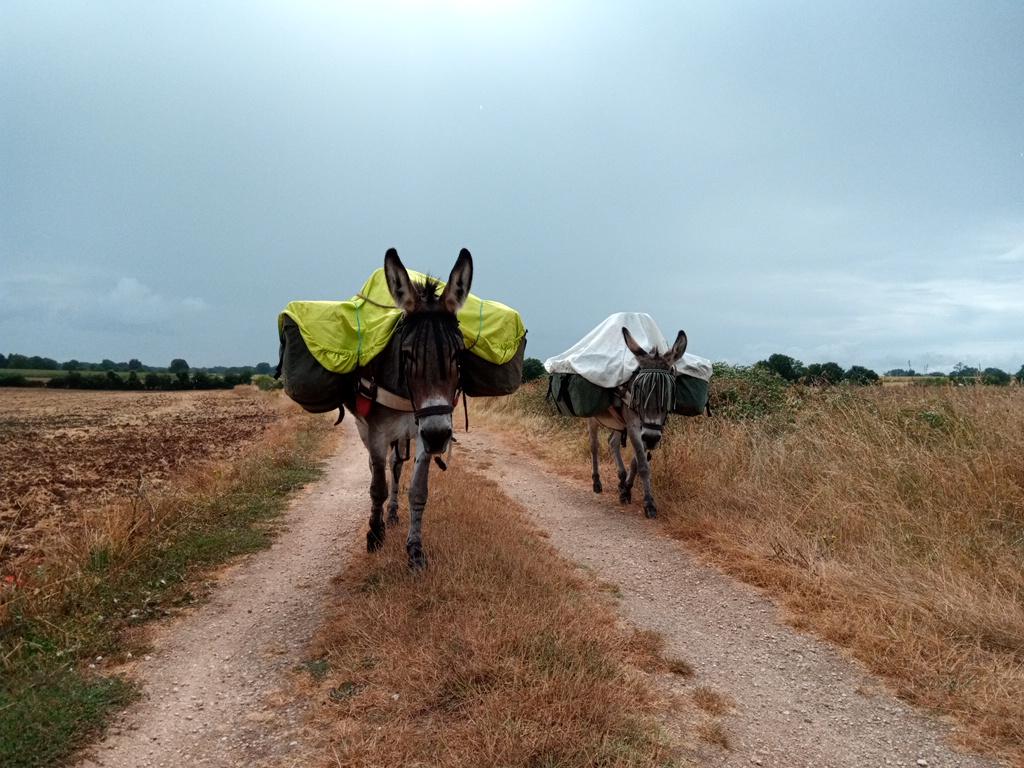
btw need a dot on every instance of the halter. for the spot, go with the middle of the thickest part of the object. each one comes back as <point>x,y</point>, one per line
<point>408,359</point>
<point>650,384</point>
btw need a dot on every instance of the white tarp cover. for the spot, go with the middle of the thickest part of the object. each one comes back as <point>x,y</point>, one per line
<point>603,358</point>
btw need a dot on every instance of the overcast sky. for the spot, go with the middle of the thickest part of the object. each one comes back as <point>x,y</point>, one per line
<point>835,181</point>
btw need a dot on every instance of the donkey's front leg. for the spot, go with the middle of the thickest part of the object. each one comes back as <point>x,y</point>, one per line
<point>378,495</point>
<point>397,460</point>
<point>643,468</point>
<point>417,501</point>
<point>625,488</point>
<point>592,427</point>
<point>631,477</point>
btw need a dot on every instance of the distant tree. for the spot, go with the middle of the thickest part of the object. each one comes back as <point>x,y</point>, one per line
<point>232,379</point>
<point>107,365</point>
<point>824,373</point>
<point>134,365</point>
<point>113,380</point>
<point>995,377</point>
<point>178,366</point>
<point>133,381</point>
<point>202,380</point>
<point>1019,375</point>
<point>533,369</point>
<point>860,375</point>
<point>72,365</point>
<point>245,376</point>
<point>155,380</point>
<point>785,366</point>
<point>14,360</point>
<point>183,381</point>
<point>42,363</point>
<point>3,361</point>
<point>964,374</point>
<point>263,368</point>
<point>901,372</point>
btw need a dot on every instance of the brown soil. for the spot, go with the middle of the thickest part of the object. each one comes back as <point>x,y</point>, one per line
<point>65,454</point>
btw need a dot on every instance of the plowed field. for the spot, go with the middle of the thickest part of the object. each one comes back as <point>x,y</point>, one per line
<point>66,453</point>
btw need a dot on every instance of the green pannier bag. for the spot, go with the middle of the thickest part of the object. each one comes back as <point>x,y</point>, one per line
<point>482,378</point>
<point>691,396</point>
<point>573,395</point>
<point>305,380</point>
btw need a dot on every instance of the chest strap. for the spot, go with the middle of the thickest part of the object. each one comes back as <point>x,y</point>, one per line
<point>377,394</point>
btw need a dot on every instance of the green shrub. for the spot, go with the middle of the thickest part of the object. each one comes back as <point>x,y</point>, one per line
<point>746,392</point>
<point>266,383</point>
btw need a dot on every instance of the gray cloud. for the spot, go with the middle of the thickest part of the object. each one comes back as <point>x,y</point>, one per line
<point>836,181</point>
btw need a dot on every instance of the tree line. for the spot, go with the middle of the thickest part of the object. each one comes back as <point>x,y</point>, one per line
<point>795,371</point>
<point>17,361</point>
<point>130,375</point>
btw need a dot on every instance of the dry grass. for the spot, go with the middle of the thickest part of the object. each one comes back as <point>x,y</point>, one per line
<point>710,701</point>
<point>714,733</point>
<point>888,520</point>
<point>84,539</point>
<point>94,582</point>
<point>500,654</point>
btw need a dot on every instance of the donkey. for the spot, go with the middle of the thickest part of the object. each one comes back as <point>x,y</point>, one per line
<point>429,343</point>
<point>642,407</point>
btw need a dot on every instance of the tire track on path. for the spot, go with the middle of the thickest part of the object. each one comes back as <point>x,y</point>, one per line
<point>799,701</point>
<point>209,682</point>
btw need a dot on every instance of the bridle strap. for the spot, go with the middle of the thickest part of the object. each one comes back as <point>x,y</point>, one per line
<point>432,410</point>
<point>651,425</point>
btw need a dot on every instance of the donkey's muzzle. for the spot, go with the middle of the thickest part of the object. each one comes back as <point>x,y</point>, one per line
<point>435,423</point>
<point>650,436</point>
<point>435,432</point>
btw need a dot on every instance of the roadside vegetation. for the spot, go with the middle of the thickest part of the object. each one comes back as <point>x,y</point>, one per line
<point>889,520</point>
<point>79,608</point>
<point>499,654</point>
<point>18,370</point>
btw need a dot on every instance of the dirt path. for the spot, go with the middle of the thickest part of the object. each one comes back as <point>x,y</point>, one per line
<point>798,701</point>
<point>210,680</point>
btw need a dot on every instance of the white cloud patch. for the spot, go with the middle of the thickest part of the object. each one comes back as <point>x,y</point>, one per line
<point>1014,254</point>
<point>938,321</point>
<point>134,303</point>
<point>90,301</point>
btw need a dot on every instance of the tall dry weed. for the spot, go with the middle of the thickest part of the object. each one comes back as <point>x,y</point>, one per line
<point>890,521</point>
<point>499,654</point>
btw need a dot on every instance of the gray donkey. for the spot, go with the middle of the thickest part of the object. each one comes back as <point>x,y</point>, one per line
<point>422,357</point>
<point>642,407</point>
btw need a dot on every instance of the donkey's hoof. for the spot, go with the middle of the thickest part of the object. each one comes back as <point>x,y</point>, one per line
<point>597,486</point>
<point>375,538</point>
<point>625,495</point>
<point>650,511</point>
<point>417,559</point>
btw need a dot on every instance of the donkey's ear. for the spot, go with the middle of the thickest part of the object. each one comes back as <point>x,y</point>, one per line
<point>677,349</point>
<point>457,288</point>
<point>401,287</point>
<point>635,348</point>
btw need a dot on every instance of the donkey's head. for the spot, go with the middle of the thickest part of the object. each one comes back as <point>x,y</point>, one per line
<point>652,388</point>
<point>431,343</point>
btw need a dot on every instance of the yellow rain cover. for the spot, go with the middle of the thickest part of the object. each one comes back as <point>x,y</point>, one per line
<point>344,335</point>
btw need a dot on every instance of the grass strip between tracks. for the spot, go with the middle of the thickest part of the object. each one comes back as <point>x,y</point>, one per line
<point>499,654</point>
